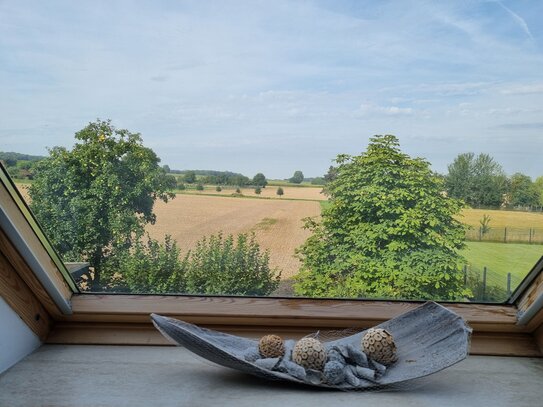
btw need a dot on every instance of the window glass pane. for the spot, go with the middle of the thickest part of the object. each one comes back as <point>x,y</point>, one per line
<point>235,151</point>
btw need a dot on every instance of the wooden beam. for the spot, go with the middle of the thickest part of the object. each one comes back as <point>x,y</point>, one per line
<point>245,311</point>
<point>538,336</point>
<point>21,299</point>
<point>90,333</point>
<point>26,274</point>
<point>528,302</point>
<point>16,209</point>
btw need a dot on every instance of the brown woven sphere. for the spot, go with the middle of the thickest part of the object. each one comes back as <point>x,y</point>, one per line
<point>379,345</point>
<point>271,346</point>
<point>309,353</point>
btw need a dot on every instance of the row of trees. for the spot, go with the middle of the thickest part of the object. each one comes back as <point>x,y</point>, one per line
<point>221,178</point>
<point>481,182</point>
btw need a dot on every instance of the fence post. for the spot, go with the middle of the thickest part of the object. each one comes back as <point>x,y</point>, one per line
<point>484,282</point>
<point>508,284</point>
<point>505,235</point>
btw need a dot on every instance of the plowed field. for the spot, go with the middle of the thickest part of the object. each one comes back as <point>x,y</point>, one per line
<point>276,223</point>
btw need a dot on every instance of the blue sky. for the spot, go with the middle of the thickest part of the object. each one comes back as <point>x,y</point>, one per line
<point>277,86</point>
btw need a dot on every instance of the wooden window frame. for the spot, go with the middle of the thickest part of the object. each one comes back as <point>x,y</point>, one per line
<point>124,319</point>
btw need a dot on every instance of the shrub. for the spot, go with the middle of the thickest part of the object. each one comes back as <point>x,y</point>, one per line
<point>238,191</point>
<point>221,265</point>
<point>280,191</point>
<point>181,186</point>
<point>199,187</point>
<point>218,189</point>
<point>258,190</point>
<point>149,267</point>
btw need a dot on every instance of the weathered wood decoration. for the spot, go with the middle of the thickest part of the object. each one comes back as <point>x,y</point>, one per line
<point>429,338</point>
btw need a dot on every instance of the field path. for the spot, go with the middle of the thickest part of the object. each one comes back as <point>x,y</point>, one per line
<point>277,223</point>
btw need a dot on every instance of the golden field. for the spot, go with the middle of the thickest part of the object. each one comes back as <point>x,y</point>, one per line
<point>276,223</point>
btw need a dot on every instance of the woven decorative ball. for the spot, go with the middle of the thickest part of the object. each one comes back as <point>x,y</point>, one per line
<point>271,346</point>
<point>379,345</point>
<point>309,353</point>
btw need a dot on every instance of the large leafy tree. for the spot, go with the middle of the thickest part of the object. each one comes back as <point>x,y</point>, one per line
<point>259,180</point>
<point>97,198</point>
<point>524,193</point>
<point>389,231</point>
<point>477,180</point>
<point>297,177</point>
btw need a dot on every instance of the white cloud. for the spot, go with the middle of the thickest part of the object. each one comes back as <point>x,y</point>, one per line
<point>371,109</point>
<point>523,89</point>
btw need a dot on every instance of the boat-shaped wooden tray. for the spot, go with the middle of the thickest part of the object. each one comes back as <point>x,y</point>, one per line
<point>429,338</point>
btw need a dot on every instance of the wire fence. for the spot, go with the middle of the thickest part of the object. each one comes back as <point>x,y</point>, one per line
<point>488,285</point>
<point>506,235</point>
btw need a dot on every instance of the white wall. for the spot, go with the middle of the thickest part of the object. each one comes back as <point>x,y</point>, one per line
<point>16,339</point>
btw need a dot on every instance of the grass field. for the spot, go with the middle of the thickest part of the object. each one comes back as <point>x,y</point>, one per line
<point>502,258</point>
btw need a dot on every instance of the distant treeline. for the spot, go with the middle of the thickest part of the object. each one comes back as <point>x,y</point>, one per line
<point>212,177</point>
<point>19,165</point>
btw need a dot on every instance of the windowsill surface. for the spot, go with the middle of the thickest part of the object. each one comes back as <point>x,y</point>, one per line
<point>78,375</point>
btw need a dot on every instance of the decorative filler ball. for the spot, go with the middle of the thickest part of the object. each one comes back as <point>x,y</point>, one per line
<point>309,353</point>
<point>379,345</point>
<point>271,346</point>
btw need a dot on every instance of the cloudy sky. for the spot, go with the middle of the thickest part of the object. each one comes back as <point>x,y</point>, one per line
<point>277,86</point>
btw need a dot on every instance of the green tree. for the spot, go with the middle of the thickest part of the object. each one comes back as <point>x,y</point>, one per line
<point>389,231</point>
<point>297,178</point>
<point>259,180</point>
<point>218,188</point>
<point>221,265</point>
<point>199,187</point>
<point>479,181</point>
<point>539,187</point>
<point>190,177</point>
<point>523,192</point>
<point>258,190</point>
<point>97,198</point>
<point>280,192</point>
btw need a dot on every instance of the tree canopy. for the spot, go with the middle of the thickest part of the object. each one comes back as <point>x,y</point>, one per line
<point>98,197</point>
<point>259,180</point>
<point>297,178</point>
<point>389,231</point>
<point>523,192</point>
<point>479,181</point>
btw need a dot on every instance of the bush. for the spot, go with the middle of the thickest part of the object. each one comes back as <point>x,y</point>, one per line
<point>199,187</point>
<point>181,186</point>
<point>219,265</point>
<point>258,190</point>
<point>238,191</point>
<point>280,191</point>
<point>149,267</point>
<point>218,189</point>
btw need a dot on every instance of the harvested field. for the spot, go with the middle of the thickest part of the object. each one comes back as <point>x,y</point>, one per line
<point>277,223</point>
<point>501,218</point>
<point>269,192</point>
